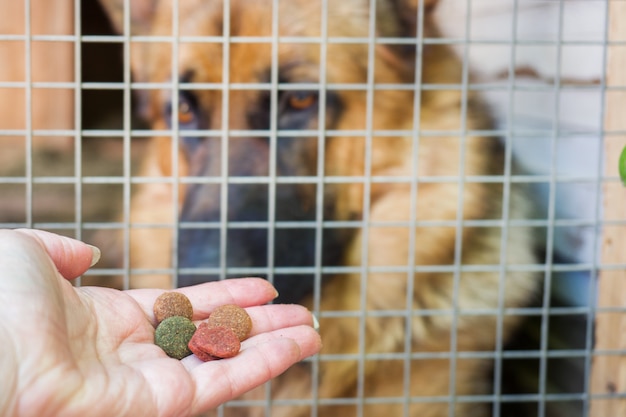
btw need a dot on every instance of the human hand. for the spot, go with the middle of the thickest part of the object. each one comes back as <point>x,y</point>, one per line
<point>89,351</point>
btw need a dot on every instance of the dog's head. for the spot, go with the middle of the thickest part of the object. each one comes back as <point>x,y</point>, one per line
<point>289,151</point>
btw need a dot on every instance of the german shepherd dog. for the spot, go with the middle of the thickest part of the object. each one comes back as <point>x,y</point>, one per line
<point>391,189</point>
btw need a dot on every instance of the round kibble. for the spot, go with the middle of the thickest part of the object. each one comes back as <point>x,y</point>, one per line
<point>171,304</point>
<point>210,343</point>
<point>233,317</point>
<point>173,335</point>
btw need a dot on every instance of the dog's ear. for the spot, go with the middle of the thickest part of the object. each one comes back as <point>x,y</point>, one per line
<point>397,18</point>
<point>141,13</point>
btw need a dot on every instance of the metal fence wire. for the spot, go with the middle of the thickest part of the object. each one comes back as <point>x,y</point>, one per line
<point>425,176</point>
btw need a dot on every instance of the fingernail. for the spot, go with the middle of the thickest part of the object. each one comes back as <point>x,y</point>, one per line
<point>95,255</point>
<point>316,323</point>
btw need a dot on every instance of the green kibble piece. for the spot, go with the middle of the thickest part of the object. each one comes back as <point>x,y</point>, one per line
<point>622,166</point>
<point>173,335</point>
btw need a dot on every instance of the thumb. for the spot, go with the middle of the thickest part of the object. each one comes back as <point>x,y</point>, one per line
<point>71,257</point>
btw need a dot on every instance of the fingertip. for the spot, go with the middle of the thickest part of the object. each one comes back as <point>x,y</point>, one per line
<point>262,289</point>
<point>269,288</point>
<point>316,322</point>
<point>298,343</point>
<point>313,344</point>
<point>306,338</point>
<point>95,255</point>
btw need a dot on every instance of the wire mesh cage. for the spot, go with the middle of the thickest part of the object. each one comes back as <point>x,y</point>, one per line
<point>426,177</point>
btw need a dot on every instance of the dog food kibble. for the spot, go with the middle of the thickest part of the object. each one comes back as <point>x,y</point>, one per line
<point>173,335</point>
<point>233,317</point>
<point>218,337</point>
<point>171,304</point>
<point>210,343</point>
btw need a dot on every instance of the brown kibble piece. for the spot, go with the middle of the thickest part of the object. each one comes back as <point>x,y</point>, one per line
<point>233,317</point>
<point>171,304</point>
<point>210,343</point>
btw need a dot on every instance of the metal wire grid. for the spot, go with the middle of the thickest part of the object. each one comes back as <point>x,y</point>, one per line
<point>78,180</point>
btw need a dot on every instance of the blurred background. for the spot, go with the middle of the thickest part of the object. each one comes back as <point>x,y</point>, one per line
<point>542,65</point>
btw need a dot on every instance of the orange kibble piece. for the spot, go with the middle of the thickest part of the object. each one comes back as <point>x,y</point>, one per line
<point>233,317</point>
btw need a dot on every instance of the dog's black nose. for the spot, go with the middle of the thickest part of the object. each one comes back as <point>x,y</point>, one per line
<point>198,253</point>
<point>204,250</point>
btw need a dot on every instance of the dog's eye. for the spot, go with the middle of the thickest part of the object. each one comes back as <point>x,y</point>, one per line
<point>186,114</point>
<point>301,100</point>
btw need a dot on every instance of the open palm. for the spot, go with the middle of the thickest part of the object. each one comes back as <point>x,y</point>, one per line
<point>90,351</point>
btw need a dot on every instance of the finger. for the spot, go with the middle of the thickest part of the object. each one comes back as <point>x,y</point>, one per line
<point>308,343</point>
<point>270,318</point>
<point>278,316</point>
<point>70,256</point>
<point>222,380</point>
<point>244,292</point>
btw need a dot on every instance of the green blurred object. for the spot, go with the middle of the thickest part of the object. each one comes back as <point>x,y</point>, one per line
<point>173,335</point>
<point>622,166</point>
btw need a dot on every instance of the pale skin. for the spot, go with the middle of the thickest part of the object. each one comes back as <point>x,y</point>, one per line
<point>69,351</point>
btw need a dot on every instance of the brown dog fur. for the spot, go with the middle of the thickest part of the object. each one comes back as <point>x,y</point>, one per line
<point>380,297</point>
